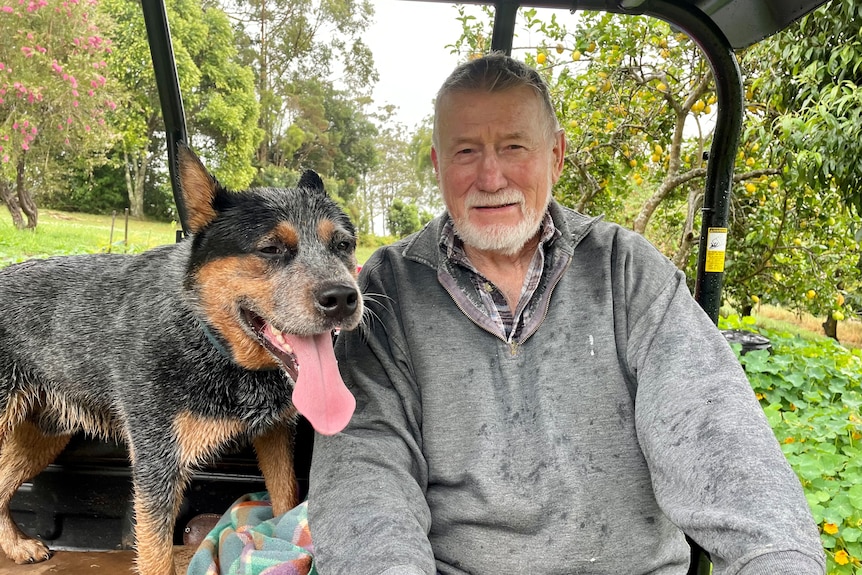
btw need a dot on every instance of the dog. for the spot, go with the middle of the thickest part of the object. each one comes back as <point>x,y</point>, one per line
<point>181,350</point>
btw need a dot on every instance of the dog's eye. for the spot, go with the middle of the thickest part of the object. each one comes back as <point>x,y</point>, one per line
<point>272,250</point>
<point>344,246</point>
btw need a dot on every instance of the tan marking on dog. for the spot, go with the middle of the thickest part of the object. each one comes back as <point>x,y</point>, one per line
<point>24,452</point>
<point>198,188</point>
<point>275,458</point>
<point>18,408</point>
<point>153,540</point>
<point>325,229</point>
<point>198,438</point>
<point>287,234</point>
<point>221,282</point>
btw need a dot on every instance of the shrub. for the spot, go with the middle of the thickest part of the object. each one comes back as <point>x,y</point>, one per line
<point>810,391</point>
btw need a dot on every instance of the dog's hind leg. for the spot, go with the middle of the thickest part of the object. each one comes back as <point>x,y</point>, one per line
<point>275,458</point>
<point>24,452</point>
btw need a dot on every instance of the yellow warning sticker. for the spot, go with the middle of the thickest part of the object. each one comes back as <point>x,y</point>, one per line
<point>716,245</point>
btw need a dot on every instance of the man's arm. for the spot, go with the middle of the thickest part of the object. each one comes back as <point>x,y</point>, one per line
<point>717,469</point>
<point>367,509</point>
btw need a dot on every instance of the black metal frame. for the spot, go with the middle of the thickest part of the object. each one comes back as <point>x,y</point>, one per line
<point>743,21</point>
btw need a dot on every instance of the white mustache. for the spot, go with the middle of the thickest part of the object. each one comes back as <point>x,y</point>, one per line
<point>494,200</point>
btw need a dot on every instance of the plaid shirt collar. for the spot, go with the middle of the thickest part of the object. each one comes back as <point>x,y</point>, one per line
<point>507,320</point>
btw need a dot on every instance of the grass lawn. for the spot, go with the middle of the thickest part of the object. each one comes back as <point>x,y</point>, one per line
<point>60,233</point>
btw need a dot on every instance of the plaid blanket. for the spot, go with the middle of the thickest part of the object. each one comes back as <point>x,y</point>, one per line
<point>248,540</point>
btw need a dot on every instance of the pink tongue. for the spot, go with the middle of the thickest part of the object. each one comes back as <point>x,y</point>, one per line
<point>320,394</point>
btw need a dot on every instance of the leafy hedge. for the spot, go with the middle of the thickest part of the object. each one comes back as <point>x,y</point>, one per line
<point>811,391</point>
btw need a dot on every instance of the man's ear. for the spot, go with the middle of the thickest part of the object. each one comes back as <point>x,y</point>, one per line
<point>198,189</point>
<point>435,163</point>
<point>559,155</point>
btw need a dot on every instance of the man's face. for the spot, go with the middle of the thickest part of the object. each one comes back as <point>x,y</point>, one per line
<point>496,161</point>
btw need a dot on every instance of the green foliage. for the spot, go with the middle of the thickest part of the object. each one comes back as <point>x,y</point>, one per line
<point>403,218</point>
<point>811,392</point>
<point>218,93</point>
<point>810,74</point>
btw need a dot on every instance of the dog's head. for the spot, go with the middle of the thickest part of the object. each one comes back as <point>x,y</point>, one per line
<point>272,273</point>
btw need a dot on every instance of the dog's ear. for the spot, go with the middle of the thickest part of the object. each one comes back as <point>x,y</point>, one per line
<point>198,187</point>
<point>311,181</point>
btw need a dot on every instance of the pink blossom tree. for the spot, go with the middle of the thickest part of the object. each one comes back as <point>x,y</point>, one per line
<point>54,94</point>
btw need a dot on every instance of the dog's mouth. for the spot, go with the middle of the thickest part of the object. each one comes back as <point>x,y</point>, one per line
<point>275,342</point>
<point>319,393</point>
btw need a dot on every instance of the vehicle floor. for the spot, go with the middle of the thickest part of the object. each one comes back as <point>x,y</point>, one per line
<point>90,563</point>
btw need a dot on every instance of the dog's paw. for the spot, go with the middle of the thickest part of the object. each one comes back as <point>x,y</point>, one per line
<point>26,551</point>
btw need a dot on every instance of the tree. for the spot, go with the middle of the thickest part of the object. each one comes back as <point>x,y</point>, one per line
<point>400,172</point>
<point>811,75</point>
<point>218,93</point>
<point>803,114</point>
<point>290,42</point>
<point>402,218</point>
<point>54,93</point>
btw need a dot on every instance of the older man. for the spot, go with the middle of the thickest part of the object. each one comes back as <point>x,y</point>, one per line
<point>537,391</point>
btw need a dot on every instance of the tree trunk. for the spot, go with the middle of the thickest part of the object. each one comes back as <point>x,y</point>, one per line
<point>8,197</point>
<point>830,327</point>
<point>136,173</point>
<point>689,237</point>
<point>25,200</point>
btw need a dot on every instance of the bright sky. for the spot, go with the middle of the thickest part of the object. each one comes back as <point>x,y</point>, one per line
<point>408,40</point>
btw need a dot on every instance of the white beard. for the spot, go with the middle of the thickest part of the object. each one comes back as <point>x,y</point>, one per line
<point>503,238</point>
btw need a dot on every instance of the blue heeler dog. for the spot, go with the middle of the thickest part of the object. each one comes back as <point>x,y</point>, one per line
<point>181,350</point>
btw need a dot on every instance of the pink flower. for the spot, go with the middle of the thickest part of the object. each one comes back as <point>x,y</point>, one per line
<point>57,67</point>
<point>8,10</point>
<point>25,146</point>
<point>27,51</point>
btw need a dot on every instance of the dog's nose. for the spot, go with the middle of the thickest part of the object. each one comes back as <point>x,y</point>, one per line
<point>338,301</point>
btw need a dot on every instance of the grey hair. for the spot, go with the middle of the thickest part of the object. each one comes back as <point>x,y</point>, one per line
<point>496,72</point>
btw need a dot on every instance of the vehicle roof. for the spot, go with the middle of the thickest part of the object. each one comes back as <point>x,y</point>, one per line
<point>743,22</point>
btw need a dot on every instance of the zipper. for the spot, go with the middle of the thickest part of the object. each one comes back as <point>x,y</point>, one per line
<point>547,305</point>
<point>514,345</point>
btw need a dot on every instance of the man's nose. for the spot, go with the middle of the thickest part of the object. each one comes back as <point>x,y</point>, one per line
<point>490,177</point>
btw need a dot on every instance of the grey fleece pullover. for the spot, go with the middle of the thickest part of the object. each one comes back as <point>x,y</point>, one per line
<point>471,454</point>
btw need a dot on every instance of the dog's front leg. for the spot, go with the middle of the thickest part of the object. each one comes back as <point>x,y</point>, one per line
<point>275,458</point>
<point>158,491</point>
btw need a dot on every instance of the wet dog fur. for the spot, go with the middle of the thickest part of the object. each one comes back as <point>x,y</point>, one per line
<point>165,350</point>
